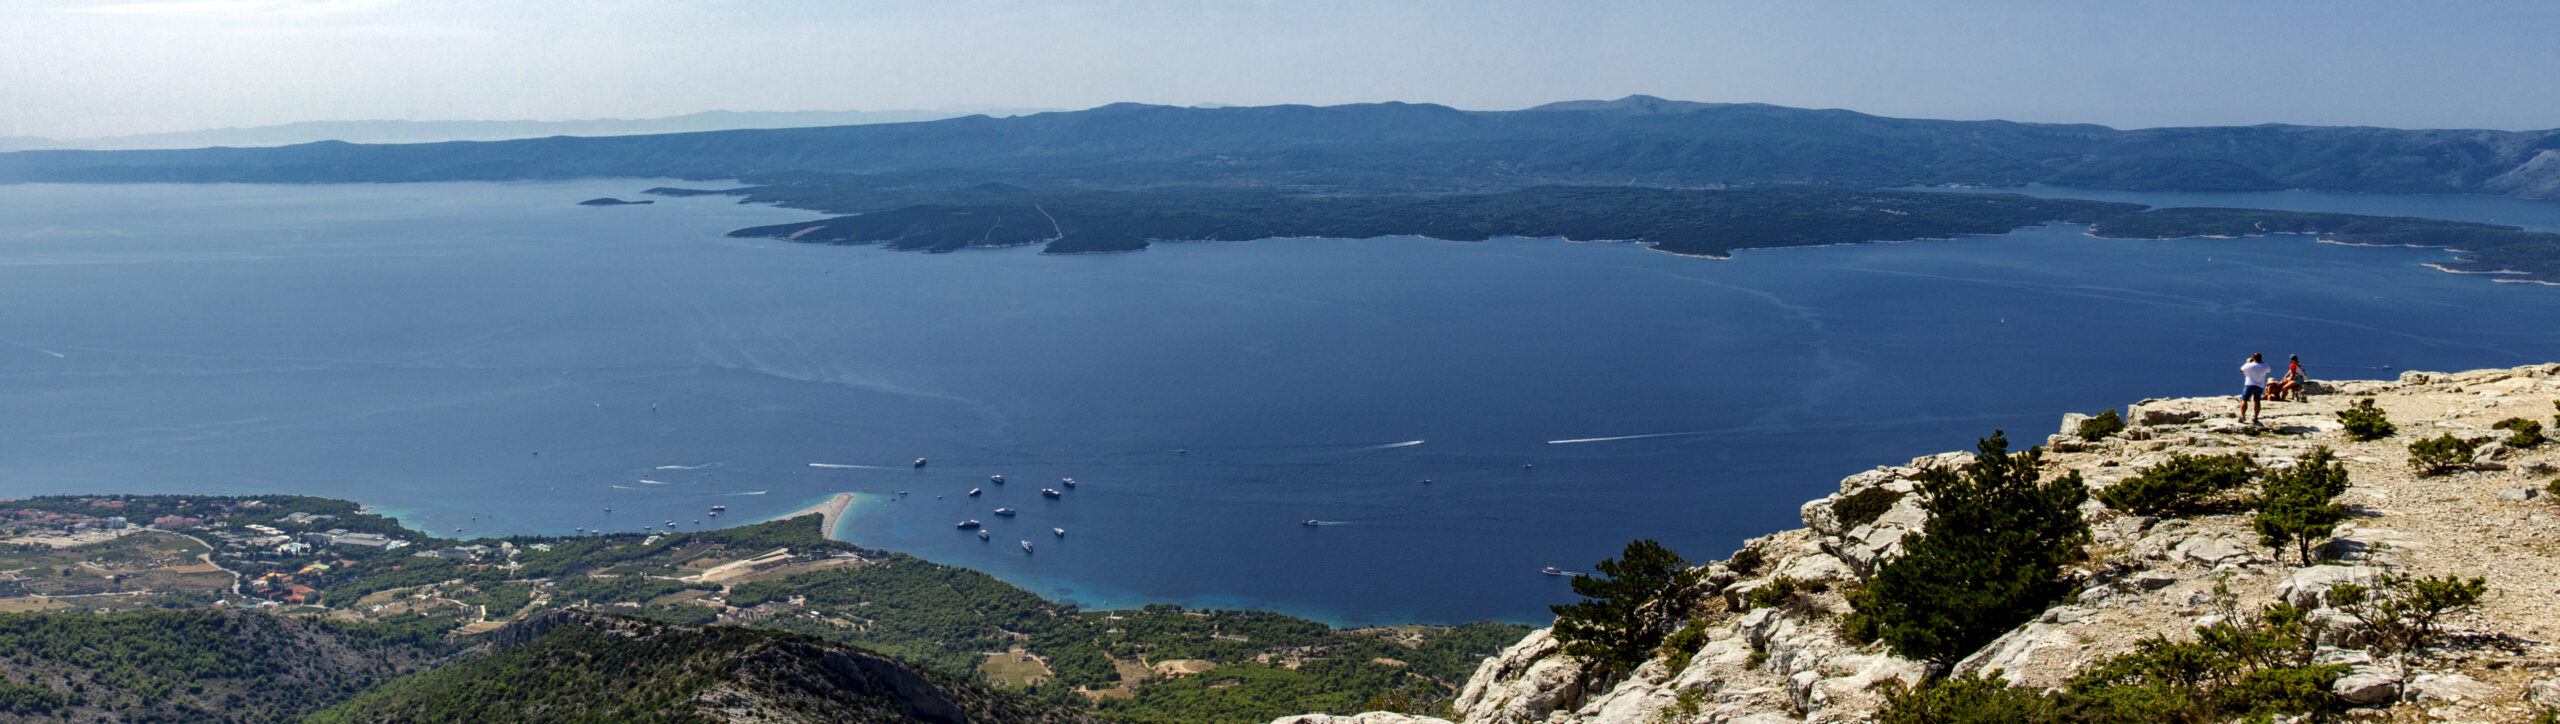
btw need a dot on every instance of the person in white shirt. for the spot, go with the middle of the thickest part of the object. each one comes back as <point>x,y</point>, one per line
<point>2253,391</point>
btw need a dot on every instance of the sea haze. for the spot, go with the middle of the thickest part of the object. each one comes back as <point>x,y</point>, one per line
<point>493,358</point>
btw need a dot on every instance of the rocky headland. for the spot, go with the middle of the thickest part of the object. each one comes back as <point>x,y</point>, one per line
<point>2488,515</point>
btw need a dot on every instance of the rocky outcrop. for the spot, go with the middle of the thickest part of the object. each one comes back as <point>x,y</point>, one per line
<point>2145,577</point>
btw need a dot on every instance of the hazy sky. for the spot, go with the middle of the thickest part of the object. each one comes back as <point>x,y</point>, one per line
<point>77,68</point>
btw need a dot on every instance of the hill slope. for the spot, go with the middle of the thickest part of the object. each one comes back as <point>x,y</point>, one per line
<point>197,666</point>
<point>570,666</point>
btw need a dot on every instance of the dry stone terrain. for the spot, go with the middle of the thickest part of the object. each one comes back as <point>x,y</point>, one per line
<point>2493,518</point>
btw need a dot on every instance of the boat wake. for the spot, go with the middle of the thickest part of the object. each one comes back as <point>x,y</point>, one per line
<point>648,482</point>
<point>625,487</point>
<point>1393,445</point>
<point>848,467</point>
<point>688,467</point>
<point>1646,436</point>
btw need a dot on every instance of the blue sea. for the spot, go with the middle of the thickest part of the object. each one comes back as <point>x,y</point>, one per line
<point>490,358</point>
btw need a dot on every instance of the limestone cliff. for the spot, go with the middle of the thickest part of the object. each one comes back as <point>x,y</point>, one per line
<point>2144,577</point>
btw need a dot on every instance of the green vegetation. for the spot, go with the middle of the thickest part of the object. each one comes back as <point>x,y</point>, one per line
<point>203,665</point>
<point>2296,505</point>
<point>2522,433</point>
<point>1971,699</point>
<point>1747,561</point>
<point>2403,612</point>
<point>2100,426</point>
<point>1638,598</point>
<point>2250,672</point>
<point>1863,507</point>
<point>2184,485</point>
<point>2364,421</point>
<point>418,595</point>
<point>1780,591</point>
<point>1990,557</point>
<point>1681,645</point>
<point>1694,222</point>
<point>2440,454</point>
<point>579,667</point>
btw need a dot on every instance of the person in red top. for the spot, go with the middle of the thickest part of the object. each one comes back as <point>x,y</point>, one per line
<point>2290,387</point>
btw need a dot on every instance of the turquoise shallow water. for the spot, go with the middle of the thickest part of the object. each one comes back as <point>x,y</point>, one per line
<point>414,347</point>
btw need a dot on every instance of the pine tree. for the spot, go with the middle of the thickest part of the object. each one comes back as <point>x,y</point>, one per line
<point>1990,557</point>
<point>1637,599</point>
<point>2295,504</point>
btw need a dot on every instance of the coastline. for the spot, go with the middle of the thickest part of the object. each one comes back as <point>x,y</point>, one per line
<point>830,512</point>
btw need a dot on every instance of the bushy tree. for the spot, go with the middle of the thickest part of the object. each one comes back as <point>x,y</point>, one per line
<point>2296,505</point>
<point>1626,610</point>
<point>2183,485</point>
<point>2364,421</point>
<point>2403,612</point>
<point>1990,557</point>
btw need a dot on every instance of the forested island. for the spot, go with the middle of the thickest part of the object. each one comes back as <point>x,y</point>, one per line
<point>194,586</point>
<point>1693,222</point>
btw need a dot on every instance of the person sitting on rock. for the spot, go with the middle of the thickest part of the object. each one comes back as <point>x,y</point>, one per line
<point>2253,390</point>
<point>2288,389</point>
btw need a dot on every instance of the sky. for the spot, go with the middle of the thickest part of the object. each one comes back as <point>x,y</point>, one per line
<point>90,68</point>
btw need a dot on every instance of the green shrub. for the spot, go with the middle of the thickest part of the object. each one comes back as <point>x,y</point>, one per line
<point>1746,561</point>
<point>1990,557</point>
<point>1777,591</point>
<point>2295,505</point>
<point>1864,507</point>
<point>2439,454</point>
<point>2256,669</point>
<point>2364,421</point>
<point>2185,484</point>
<point>2099,427</point>
<point>2402,612</point>
<point>2527,433</point>
<point>1628,609</point>
<point>1683,644</point>
<point>1970,698</point>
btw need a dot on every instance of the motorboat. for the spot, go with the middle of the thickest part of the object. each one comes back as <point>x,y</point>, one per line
<point>982,535</point>
<point>718,508</point>
<point>1062,532</point>
<point>997,479</point>
<point>973,492</point>
<point>919,462</point>
<point>1069,482</point>
<point>1554,571</point>
<point>968,524</point>
<point>1312,523</point>
<point>1006,512</point>
<point>1026,547</point>
<point>1049,492</point>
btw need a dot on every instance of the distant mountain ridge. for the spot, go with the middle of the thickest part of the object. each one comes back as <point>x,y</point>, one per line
<point>1401,147</point>
<point>395,131</point>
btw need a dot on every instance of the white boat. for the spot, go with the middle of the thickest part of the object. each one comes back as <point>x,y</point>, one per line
<point>718,508</point>
<point>968,524</point>
<point>1062,532</point>
<point>973,492</point>
<point>1026,546</point>
<point>1049,492</point>
<point>1554,571</point>
<point>1069,482</point>
<point>982,535</point>
<point>1006,512</point>
<point>1312,522</point>
<point>997,479</point>
<point>919,462</point>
